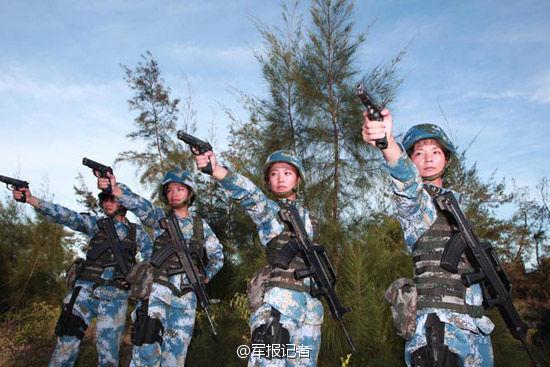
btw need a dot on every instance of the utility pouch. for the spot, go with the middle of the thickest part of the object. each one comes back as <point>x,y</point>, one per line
<point>140,278</point>
<point>257,287</point>
<point>402,297</point>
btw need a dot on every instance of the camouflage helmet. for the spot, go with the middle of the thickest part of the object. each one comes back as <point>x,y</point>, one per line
<point>180,176</point>
<point>428,131</point>
<point>102,196</point>
<point>284,156</point>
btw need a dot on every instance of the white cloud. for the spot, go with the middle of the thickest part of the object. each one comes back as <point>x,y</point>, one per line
<point>538,91</point>
<point>240,55</point>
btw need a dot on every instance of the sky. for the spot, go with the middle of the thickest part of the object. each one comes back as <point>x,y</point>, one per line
<point>480,69</point>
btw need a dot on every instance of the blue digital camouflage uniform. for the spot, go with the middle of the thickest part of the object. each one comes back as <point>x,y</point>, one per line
<point>301,314</point>
<point>464,335</point>
<point>106,303</point>
<point>177,314</point>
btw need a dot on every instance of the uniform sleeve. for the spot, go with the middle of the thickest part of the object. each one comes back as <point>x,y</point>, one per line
<point>415,210</point>
<point>147,213</point>
<point>84,223</point>
<point>262,210</point>
<point>214,251</point>
<point>145,244</point>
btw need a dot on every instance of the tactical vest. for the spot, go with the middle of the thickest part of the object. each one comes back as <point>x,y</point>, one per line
<point>100,256</point>
<point>436,287</point>
<point>166,262</point>
<point>282,250</point>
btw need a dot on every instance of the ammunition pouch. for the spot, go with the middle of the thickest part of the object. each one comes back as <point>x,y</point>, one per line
<point>283,257</point>
<point>146,329</point>
<point>435,353</point>
<point>272,332</point>
<point>68,323</point>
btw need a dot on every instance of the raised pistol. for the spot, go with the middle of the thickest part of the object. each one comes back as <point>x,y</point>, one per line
<point>14,184</point>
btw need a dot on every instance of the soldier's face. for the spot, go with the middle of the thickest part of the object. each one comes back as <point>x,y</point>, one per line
<point>282,177</point>
<point>110,206</point>
<point>428,157</point>
<point>177,194</point>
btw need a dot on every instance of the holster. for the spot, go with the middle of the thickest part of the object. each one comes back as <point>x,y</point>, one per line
<point>146,330</point>
<point>435,353</point>
<point>272,332</point>
<point>68,323</point>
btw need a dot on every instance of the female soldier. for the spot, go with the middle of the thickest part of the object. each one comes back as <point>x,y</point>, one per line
<point>288,319</point>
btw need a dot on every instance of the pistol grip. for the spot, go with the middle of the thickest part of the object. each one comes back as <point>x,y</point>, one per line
<point>208,168</point>
<point>23,197</point>
<point>302,273</point>
<point>109,189</point>
<point>374,114</point>
<point>382,143</point>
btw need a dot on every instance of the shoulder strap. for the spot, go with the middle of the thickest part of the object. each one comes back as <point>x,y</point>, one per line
<point>132,235</point>
<point>198,230</point>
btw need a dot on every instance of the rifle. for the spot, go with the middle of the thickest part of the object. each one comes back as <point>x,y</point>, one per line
<point>100,171</point>
<point>197,147</point>
<point>373,111</point>
<point>15,185</point>
<point>488,272</point>
<point>320,268</point>
<point>107,225</point>
<point>171,226</point>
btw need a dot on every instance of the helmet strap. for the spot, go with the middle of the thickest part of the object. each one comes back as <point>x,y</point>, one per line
<point>119,212</point>
<point>434,176</point>
<point>283,195</point>
<point>286,194</point>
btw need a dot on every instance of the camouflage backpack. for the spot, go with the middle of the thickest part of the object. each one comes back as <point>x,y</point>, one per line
<point>401,295</point>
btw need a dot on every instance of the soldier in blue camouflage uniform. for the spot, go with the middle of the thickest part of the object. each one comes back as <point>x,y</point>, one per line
<point>171,305</point>
<point>99,291</point>
<point>450,325</point>
<point>288,314</point>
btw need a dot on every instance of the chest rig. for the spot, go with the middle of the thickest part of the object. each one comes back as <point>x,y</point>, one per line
<point>100,256</point>
<point>166,262</point>
<point>284,257</point>
<point>437,287</point>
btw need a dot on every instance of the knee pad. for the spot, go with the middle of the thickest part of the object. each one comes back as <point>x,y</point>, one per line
<point>68,323</point>
<point>272,332</point>
<point>146,329</point>
<point>435,353</point>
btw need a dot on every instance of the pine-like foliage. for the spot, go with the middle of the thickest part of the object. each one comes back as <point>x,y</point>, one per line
<point>155,123</point>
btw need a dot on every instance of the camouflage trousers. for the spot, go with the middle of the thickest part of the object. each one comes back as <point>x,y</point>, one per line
<point>302,350</point>
<point>473,349</point>
<point>178,326</point>
<point>110,313</point>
